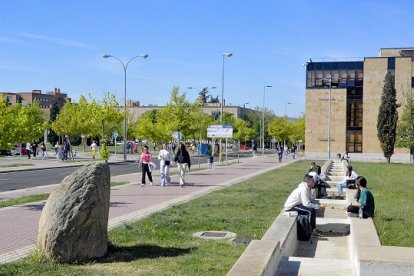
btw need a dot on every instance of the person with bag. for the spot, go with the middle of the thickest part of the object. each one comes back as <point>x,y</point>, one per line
<point>183,159</point>
<point>165,162</point>
<point>300,201</point>
<point>145,161</point>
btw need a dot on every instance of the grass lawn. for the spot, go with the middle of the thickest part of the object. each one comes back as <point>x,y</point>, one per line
<point>162,243</point>
<point>393,188</point>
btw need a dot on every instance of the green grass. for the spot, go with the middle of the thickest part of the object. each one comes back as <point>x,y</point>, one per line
<point>23,200</point>
<point>392,186</point>
<point>39,197</point>
<point>162,243</point>
<point>15,165</point>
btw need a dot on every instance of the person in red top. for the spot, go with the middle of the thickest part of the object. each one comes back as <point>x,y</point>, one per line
<point>145,159</point>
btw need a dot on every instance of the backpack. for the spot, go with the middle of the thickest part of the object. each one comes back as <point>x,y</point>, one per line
<point>303,227</point>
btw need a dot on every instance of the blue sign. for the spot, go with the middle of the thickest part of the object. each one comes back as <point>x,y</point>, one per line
<point>115,134</point>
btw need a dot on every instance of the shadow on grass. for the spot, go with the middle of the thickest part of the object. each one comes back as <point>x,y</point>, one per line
<point>131,253</point>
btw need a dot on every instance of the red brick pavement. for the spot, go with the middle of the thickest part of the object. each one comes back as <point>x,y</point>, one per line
<point>130,202</point>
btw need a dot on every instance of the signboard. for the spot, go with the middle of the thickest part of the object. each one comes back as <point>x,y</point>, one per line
<point>115,134</point>
<point>220,131</point>
<point>176,135</point>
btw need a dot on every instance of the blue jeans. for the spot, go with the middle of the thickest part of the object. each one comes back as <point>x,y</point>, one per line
<point>341,187</point>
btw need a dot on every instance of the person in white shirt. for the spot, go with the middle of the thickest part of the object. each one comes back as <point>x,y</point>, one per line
<point>350,177</point>
<point>300,200</point>
<point>94,148</point>
<point>165,161</point>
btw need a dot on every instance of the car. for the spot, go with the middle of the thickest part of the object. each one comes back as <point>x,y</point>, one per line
<point>244,147</point>
<point>15,151</point>
<point>5,152</point>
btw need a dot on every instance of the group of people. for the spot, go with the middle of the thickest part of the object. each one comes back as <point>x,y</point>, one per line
<point>62,151</point>
<point>303,198</point>
<point>181,158</point>
<point>32,148</point>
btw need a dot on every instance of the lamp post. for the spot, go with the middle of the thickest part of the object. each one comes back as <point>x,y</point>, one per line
<point>125,66</point>
<point>286,108</point>
<point>263,116</point>
<point>222,86</point>
<point>329,117</point>
<point>244,105</point>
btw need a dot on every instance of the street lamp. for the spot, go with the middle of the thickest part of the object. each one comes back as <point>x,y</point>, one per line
<point>125,66</point>
<point>263,116</point>
<point>244,105</point>
<point>286,108</point>
<point>329,117</point>
<point>222,87</point>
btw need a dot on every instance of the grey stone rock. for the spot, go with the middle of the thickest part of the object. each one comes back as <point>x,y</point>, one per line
<point>73,226</point>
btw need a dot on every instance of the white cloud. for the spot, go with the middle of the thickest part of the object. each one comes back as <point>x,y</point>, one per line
<point>54,40</point>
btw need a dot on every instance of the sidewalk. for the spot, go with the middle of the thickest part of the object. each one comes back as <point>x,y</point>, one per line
<point>19,225</point>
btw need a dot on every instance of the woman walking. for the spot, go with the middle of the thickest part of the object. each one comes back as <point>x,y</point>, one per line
<point>183,159</point>
<point>145,159</point>
<point>165,162</point>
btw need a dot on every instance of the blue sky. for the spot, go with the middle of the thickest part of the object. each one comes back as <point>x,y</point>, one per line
<point>47,44</point>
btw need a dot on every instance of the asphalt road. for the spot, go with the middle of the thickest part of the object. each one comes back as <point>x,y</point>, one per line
<point>10,181</point>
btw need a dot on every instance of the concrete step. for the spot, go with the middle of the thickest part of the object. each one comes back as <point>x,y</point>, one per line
<point>315,266</point>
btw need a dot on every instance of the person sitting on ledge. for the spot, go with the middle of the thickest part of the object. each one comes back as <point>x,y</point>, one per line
<point>349,179</point>
<point>300,200</point>
<point>365,206</point>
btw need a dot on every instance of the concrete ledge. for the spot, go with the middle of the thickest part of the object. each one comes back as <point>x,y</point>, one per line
<point>261,257</point>
<point>373,259</point>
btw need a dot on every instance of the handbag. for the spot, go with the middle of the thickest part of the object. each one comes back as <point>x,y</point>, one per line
<point>167,163</point>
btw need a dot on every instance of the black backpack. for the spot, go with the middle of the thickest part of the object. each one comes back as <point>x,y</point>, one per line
<point>303,227</point>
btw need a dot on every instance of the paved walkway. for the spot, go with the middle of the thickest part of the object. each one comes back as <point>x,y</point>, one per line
<point>19,224</point>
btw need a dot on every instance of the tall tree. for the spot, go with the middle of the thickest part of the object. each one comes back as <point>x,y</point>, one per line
<point>405,127</point>
<point>387,117</point>
<point>203,95</point>
<point>280,129</point>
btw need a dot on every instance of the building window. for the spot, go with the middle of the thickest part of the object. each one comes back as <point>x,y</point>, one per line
<point>391,63</point>
<point>354,141</point>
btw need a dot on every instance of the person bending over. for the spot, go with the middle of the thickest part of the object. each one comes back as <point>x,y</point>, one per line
<point>300,200</point>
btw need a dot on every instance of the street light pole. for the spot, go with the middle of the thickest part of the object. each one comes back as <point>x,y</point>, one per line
<point>263,117</point>
<point>329,117</point>
<point>286,108</point>
<point>125,66</point>
<point>222,87</point>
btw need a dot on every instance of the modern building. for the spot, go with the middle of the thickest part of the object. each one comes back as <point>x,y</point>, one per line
<point>343,99</point>
<point>27,98</point>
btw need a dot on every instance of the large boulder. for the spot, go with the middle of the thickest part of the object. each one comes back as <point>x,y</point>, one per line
<point>74,222</point>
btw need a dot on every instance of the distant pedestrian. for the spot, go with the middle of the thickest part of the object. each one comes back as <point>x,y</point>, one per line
<point>43,150</point>
<point>34,149</point>
<point>144,161</point>
<point>94,148</point>
<point>28,150</point>
<point>254,150</point>
<point>165,163</point>
<point>286,150</point>
<point>183,159</point>
<point>280,153</point>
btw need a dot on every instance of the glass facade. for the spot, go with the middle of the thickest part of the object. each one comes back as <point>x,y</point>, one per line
<point>347,75</point>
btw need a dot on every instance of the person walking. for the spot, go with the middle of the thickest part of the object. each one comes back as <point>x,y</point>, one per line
<point>165,162</point>
<point>43,150</point>
<point>183,159</point>
<point>28,149</point>
<point>34,149</point>
<point>144,161</point>
<point>94,148</point>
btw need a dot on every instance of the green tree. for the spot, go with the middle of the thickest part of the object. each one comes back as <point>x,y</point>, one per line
<point>387,118</point>
<point>298,130</point>
<point>8,126</point>
<point>405,127</point>
<point>241,131</point>
<point>31,122</point>
<point>280,129</point>
<point>55,107</point>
